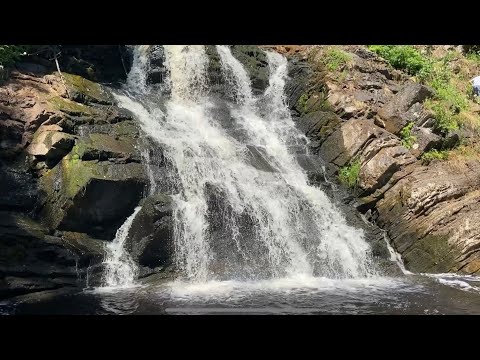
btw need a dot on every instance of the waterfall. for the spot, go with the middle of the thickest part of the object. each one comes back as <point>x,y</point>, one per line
<point>245,209</point>
<point>120,270</point>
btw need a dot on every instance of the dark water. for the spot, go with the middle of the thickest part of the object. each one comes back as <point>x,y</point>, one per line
<point>413,294</point>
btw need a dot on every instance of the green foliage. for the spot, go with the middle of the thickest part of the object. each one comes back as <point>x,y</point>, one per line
<point>404,57</point>
<point>434,154</point>
<point>302,102</point>
<point>348,175</point>
<point>9,54</point>
<point>445,119</point>
<point>406,134</point>
<point>334,58</point>
<point>473,56</point>
<point>472,49</point>
<point>440,80</point>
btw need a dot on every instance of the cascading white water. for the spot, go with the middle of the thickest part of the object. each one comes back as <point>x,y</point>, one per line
<point>120,269</point>
<point>235,218</point>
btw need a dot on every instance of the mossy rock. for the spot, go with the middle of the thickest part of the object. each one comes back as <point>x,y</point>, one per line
<point>85,91</point>
<point>103,147</point>
<point>84,245</point>
<point>311,102</point>
<point>70,107</point>
<point>90,196</point>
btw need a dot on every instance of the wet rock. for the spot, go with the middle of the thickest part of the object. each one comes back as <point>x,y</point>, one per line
<point>19,187</point>
<point>255,63</point>
<point>12,286</point>
<point>30,260</point>
<point>318,125</point>
<point>256,156</point>
<point>83,245</point>
<point>150,240</point>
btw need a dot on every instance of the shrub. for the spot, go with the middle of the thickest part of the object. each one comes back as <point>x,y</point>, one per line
<point>406,134</point>
<point>348,175</point>
<point>434,154</point>
<point>334,58</point>
<point>404,57</point>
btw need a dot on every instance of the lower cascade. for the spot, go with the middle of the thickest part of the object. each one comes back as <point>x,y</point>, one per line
<point>120,270</point>
<point>245,209</point>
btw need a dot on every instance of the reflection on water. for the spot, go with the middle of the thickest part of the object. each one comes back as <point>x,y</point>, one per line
<point>415,294</point>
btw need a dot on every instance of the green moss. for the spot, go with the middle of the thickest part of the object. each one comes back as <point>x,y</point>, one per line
<point>75,175</point>
<point>70,107</point>
<point>349,174</point>
<point>89,89</point>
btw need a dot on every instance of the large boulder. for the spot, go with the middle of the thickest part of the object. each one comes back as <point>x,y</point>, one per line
<point>425,140</point>
<point>103,147</point>
<point>404,107</point>
<point>380,159</point>
<point>92,197</point>
<point>85,91</point>
<point>345,142</point>
<point>150,239</point>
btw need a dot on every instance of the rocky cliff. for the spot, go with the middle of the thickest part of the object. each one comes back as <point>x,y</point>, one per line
<point>355,107</point>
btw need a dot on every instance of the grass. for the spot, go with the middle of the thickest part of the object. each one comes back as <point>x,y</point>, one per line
<point>349,174</point>
<point>406,134</point>
<point>335,59</point>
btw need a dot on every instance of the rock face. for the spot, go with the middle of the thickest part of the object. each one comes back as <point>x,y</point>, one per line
<point>430,215</point>
<point>71,168</point>
<point>427,211</point>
